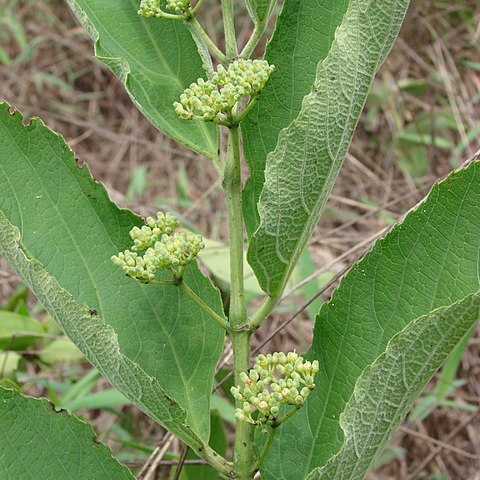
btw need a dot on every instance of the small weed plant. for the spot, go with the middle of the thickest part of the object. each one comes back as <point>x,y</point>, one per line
<point>159,325</point>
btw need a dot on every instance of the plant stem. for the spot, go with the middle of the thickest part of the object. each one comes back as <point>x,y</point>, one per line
<point>242,450</point>
<point>218,318</point>
<point>232,187</point>
<point>162,282</point>
<point>242,447</point>
<point>249,47</point>
<point>199,34</point>
<point>286,416</point>
<point>257,34</point>
<point>171,16</point>
<point>229,26</point>
<point>266,447</point>
<point>217,461</point>
<point>247,109</point>
<point>267,306</point>
<point>196,8</point>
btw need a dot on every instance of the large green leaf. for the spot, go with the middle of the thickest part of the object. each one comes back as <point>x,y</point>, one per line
<point>385,392</point>
<point>155,59</point>
<point>303,35</point>
<point>302,169</point>
<point>69,229</point>
<point>39,443</point>
<point>430,261</point>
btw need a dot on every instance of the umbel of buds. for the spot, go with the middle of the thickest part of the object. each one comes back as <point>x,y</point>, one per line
<point>156,246</point>
<point>276,379</point>
<point>213,100</point>
<point>151,8</point>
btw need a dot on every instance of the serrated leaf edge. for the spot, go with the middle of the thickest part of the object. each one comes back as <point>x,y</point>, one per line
<point>19,258</point>
<point>50,409</point>
<point>368,373</point>
<point>121,68</point>
<point>270,166</point>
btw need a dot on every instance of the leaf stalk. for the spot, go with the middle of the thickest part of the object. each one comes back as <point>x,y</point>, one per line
<point>218,318</point>
<point>229,26</point>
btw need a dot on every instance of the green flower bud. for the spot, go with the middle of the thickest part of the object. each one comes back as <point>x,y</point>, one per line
<point>263,390</point>
<point>292,357</point>
<point>299,400</point>
<point>213,100</point>
<point>308,380</point>
<point>305,392</point>
<point>150,8</point>
<point>162,248</point>
<point>263,406</point>
<point>261,360</point>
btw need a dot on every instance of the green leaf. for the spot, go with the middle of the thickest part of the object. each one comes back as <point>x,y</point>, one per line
<point>105,399</point>
<point>38,442</point>
<point>303,34</point>
<point>97,340</point>
<point>150,341</point>
<point>429,261</point>
<point>61,349</point>
<point>8,363</point>
<point>17,332</point>
<point>302,169</point>
<point>155,59</point>
<point>386,390</point>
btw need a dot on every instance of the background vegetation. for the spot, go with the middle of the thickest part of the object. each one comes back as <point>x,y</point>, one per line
<point>422,119</point>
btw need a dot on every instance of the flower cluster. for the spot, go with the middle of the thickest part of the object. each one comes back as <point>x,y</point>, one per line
<point>274,380</point>
<point>213,100</point>
<point>147,235</point>
<point>161,247</point>
<point>151,8</point>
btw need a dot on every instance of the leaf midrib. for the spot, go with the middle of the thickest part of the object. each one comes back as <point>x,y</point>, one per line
<point>379,349</point>
<point>185,384</point>
<point>130,59</point>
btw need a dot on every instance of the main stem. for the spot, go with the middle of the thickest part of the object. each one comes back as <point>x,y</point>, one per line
<point>242,449</point>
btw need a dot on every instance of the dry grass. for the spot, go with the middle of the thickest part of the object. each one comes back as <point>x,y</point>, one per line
<point>427,87</point>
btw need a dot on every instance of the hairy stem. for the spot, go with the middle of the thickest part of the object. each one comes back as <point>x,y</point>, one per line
<point>243,454</point>
<point>247,109</point>
<point>257,34</point>
<point>217,461</point>
<point>265,449</point>
<point>218,318</point>
<point>262,313</point>
<point>203,40</point>
<point>253,40</point>
<point>196,8</point>
<point>229,26</point>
